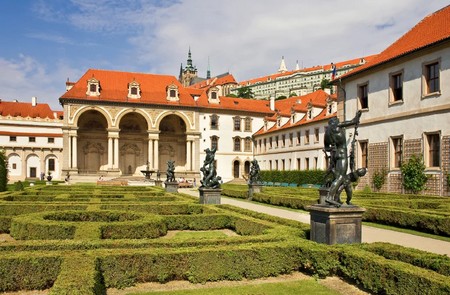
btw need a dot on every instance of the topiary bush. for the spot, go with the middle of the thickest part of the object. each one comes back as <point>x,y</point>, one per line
<point>414,177</point>
<point>3,171</point>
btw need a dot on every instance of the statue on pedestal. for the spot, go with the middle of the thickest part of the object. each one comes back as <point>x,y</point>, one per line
<point>335,143</point>
<point>210,178</point>
<point>254,177</point>
<point>170,173</point>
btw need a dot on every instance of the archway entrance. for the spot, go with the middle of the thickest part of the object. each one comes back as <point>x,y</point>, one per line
<point>172,142</point>
<point>236,165</point>
<point>92,142</point>
<point>247,167</point>
<point>133,143</point>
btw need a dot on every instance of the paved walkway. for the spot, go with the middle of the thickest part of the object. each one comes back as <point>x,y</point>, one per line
<point>369,234</point>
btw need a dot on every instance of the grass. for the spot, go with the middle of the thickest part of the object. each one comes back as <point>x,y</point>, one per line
<point>198,235</point>
<point>306,287</point>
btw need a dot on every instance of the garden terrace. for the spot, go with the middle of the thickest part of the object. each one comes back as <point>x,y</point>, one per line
<point>430,214</point>
<point>89,238</point>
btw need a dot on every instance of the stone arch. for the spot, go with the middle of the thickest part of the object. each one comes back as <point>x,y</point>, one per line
<point>133,142</point>
<point>247,167</point>
<point>92,142</point>
<point>172,141</point>
<point>124,112</point>
<point>79,113</point>
<point>183,116</point>
<point>14,164</point>
<point>52,167</point>
<point>33,166</point>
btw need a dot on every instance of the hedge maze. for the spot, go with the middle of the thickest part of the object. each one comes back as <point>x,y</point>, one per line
<point>85,239</point>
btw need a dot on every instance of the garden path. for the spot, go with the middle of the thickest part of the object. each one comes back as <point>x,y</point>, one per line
<point>369,234</point>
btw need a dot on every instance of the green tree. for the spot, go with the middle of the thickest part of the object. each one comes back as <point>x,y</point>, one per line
<point>325,83</point>
<point>413,172</point>
<point>378,179</point>
<point>3,171</point>
<point>292,94</point>
<point>245,92</point>
<point>281,97</point>
<point>232,95</point>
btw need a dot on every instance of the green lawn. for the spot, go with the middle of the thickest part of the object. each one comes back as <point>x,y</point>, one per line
<point>305,287</point>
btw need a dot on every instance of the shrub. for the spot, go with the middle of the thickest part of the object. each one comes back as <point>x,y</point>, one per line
<point>413,171</point>
<point>378,179</point>
<point>294,176</point>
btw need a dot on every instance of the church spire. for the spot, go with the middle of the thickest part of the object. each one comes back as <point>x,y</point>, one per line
<point>297,67</point>
<point>208,72</point>
<point>282,68</point>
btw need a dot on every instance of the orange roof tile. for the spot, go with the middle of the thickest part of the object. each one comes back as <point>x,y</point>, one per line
<point>24,109</point>
<point>433,29</point>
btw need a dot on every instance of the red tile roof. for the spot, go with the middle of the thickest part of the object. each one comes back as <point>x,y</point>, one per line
<point>317,98</point>
<point>215,81</point>
<point>326,67</point>
<point>114,88</point>
<point>31,134</point>
<point>24,109</point>
<point>433,29</point>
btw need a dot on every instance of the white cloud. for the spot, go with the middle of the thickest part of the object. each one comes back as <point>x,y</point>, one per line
<point>25,77</point>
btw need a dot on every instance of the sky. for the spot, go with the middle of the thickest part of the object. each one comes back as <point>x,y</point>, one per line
<point>45,42</point>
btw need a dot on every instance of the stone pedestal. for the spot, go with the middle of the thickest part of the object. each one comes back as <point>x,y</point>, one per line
<point>158,183</point>
<point>210,195</point>
<point>331,225</point>
<point>171,187</point>
<point>254,188</point>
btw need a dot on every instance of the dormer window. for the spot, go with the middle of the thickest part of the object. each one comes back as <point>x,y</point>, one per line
<point>93,87</point>
<point>172,93</point>
<point>134,90</point>
<point>213,95</point>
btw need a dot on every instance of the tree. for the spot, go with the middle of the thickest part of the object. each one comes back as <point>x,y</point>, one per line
<point>245,92</point>
<point>414,177</point>
<point>325,83</point>
<point>3,171</point>
<point>281,97</point>
<point>231,95</point>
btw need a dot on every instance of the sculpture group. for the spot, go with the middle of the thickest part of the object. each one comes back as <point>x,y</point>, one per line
<point>210,178</point>
<point>335,148</point>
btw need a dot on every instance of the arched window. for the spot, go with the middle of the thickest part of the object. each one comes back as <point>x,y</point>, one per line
<point>237,123</point>
<point>214,142</point>
<point>248,124</point>
<point>237,144</point>
<point>214,122</point>
<point>248,144</point>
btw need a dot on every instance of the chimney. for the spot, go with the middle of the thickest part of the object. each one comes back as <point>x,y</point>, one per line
<point>272,103</point>
<point>34,101</point>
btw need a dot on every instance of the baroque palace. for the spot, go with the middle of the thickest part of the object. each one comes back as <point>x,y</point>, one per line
<point>118,123</point>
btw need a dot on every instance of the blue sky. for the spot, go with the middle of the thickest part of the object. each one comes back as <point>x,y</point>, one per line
<point>42,43</point>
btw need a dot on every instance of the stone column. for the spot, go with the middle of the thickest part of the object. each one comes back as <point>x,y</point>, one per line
<point>110,152</point>
<point>153,137</point>
<point>74,151</point>
<point>156,153</point>
<point>188,155</point>
<point>116,153</point>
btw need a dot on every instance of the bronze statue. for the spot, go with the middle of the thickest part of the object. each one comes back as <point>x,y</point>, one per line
<point>210,178</point>
<point>170,173</point>
<point>254,173</point>
<point>335,143</point>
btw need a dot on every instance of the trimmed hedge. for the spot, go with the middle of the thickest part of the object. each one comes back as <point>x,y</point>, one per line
<point>28,272</point>
<point>294,176</point>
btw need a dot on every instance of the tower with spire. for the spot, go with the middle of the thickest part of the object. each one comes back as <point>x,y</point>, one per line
<point>189,73</point>
<point>282,68</point>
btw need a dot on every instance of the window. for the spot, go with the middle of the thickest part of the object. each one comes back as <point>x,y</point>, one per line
<point>93,88</point>
<point>298,163</point>
<point>316,135</point>
<point>270,143</point>
<point>283,165</point>
<point>237,144</point>
<point>31,139</point>
<point>291,139</point>
<point>248,145</point>
<point>270,164</point>
<point>306,136</point>
<point>214,142</point>
<point>299,135</point>
<point>133,90</point>
<point>363,145</point>
<point>13,138</point>
<point>396,87</point>
<point>431,75</point>
<point>14,166</point>
<point>283,140</point>
<point>51,140</point>
<point>363,96</point>
<point>433,150</point>
<point>214,124</point>
<point>316,160</point>
<point>265,144</point>
<point>276,164</point>
<point>237,123</point>
<point>276,141</point>
<point>213,95</point>
<point>51,165</point>
<point>307,163</point>
<point>248,124</point>
<point>397,152</point>
<point>172,93</point>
